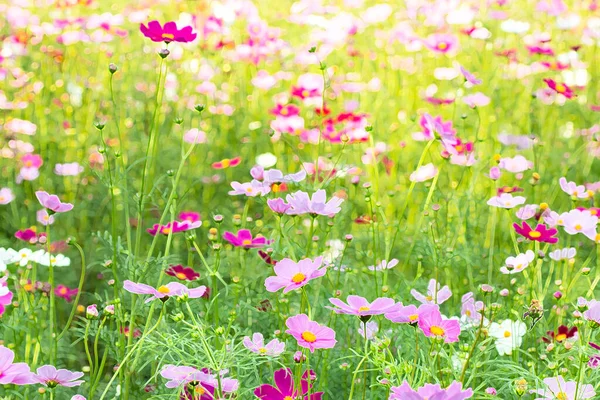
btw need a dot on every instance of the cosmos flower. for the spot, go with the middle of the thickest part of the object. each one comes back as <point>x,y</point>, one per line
<point>578,221</point>
<point>167,33</point>
<point>558,388</point>
<point>540,234</point>
<point>469,77</point>
<point>226,163</point>
<point>441,43</point>
<point>44,218</point>
<point>476,100</point>
<point>360,307</point>
<point>66,293</point>
<point>250,189</point>
<point>430,391</point>
<point>284,387</point>
<point>278,205</point>
<point>567,253</point>
<point>173,227</point>
<point>372,329</point>
<point>6,196</point>
<point>49,376</point>
<point>6,296</point>
<point>518,263</point>
<point>244,239</point>
<point>471,309</point>
<point>301,203</point>
<point>424,173</point>
<point>432,324</point>
<point>572,189</point>
<point>290,275</point>
<point>408,314</point>
<point>58,260</point>
<point>560,88</point>
<point>68,169</point>
<point>13,373</point>
<point>182,273</point>
<point>515,164</point>
<point>506,200</point>
<point>257,345</point>
<point>435,294</point>
<point>563,333</point>
<point>509,335</point>
<point>309,334</point>
<point>593,311</point>
<point>52,202</point>
<point>383,265</point>
<point>172,289</point>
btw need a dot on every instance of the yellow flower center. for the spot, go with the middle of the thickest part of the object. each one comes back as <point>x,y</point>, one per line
<point>560,88</point>
<point>28,287</point>
<point>166,231</point>
<point>507,204</point>
<point>275,188</point>
<point>163,290</point>
<point>507,334</point>
<point>288,398</point>
<point>284,111</point>
<point>199,389</point>
<point>413,317</point>
<point>28,163</point>
<point>63,290</point>
<point>364,308</point>
<point>309,336</point>
<point>437,331</point>
<point>561,337</point>
<point>180,275</point>
<point>459,148</point>
<point>442,46</point>
<point>299,278</point>
<point>246,242</point>
<point>169,36</point>
<point>226,162</point>
<point>305,93</point>
<point>562,396</point>
<point>534,234</point>
<point>519,266</point>
<point>428,298</point>
<point>468,313</point>
<point>578,227</point>
<point>262,350</point>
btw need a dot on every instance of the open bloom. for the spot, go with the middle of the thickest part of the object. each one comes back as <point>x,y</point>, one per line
<point>515,164</point>
<point>52,202</point>
<point>557,388</point>
<point>518,263</point>
<point>13,373</point>
<point>284,387</point>
<point>182,273</point>
<point>593,311</point>
<point>435,294</point>
<point>506,200</point>
<point>309,334</point>
<point>572,189</point>
<point>434,325</point>
<point>563,333</point>
<point>250,189</point>
<point>471,309</point>
<point>578,221</point>
<point>408,314</point>
<point>509,335</point>
<point>424,173</point>
<point>167,33</point>
<point>430,391</point>
<point>66,293</point>
<point>291,275</point>
<point>257,345</point>
<point>164,292</point>
<point>227,162</point>
<point>49,376</point>
<point>173,227</point>
<point>540,234</point>
<point>360,307</point>
<point>6,196</point>
<point>244,239</point>
<point>301,203</point>
<point>560,88</point>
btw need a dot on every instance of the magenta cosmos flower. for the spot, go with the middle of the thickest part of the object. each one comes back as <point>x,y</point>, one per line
<point>301,203</point>
<point>244,239</point>
<point>360,307</point>
<point>164,292</point>
<point>52,202</point>
<point>174,227</point>
<point>6,295</point>
<point>541,233</point>
<point>309,334</point>
<point>435,293</point>
<point>167,33</point>
<point>291,275</point>
<point>409,314</point>
<point>560,88</point>
<point>284,387</point>
<point>49,376</point>
<point>429,391</point>
<point>557,388</point>
<point>434,325</point>
<point>13,373</point>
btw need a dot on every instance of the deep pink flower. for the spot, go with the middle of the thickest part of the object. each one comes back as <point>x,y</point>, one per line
<point>164,292</point>
<point>360,307</point>
<point>65,293</point>
<point>244,239</point>
<point>441,43</point>
<point>49,376</point>
<point>52,202</point>
<point>189,216</point>
<point>167,33</point>
<point>6,295</point>
<point>182,273</point>
<point>560,88</point>
<point>173,227</point>
<point>433,325</point>
<point>541,233</point>
<point>27,235</point>
<point>13,373</point>
<point>291,275</point>
<point>309,334</point>
<point>284,387</point>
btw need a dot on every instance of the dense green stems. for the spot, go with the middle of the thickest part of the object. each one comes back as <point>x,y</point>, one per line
<point>79,289</point>
<point>473,346</point>
<point>53,337</point>
<point>492,247</point>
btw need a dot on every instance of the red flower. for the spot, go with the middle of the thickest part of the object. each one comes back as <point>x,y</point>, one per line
<point>182,273</point>
<point>560,88</point>
<point>226,163</point>
<point>167,33</point>
<point>563,333</point>
<point>266,257</point>
<point>541,233</point>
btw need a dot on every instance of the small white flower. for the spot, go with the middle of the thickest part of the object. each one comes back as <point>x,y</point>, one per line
<point>6,256</point>
<point>517,264</point>
<point>57,260</point>
<point>563,254</point>
<point>22,257</point>
<point>424,173</point>
<point>506,200</point>
<point>509,335</point>
<point>266,160</point>
<point>383,265</point>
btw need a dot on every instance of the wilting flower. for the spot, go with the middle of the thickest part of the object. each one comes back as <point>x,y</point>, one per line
<point>309,334</point>
<point>257,345</point>
<point>408,314</point>
<point>284,387</point>
<point>360,307</point>
<point>6,196</point>
<point>434,325</point>
<point>424,173</point>
<point>557,388</point>
<point>164,292</point>
<point>182,273</point>
<point>540,234</point>
<point>291,275</point>
<point>13,373</point>
<point>244,239</point>
<point>301,203</point>
<point>506,200</point>
<point>560,88</point>
<point>561,335</point>
<point>518,263</point>
<point>430,391</point>
<point>49,376</point>
<point>52,202</point>
<point>167,33</point>
<point>66,293</point>
<point>567,253</point>
<point>509,335</point>
<point>435,294</point>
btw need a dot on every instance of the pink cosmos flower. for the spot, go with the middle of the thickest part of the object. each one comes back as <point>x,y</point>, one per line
<point>558,388</point>
<point>49,376</point>
<point>471,309</point>
<point>194,135</point>
<point>164,292</point>
<point>66,293</point>
<point>309,334</point>
<point>291,275</point>
<point>434,325</point>
<point>167,33</point>
<point>180,375</point>
<point>284,387</point>
<point>13,373</point>
<point>506,200</point>
<point>408,314</point>
<point>257,345</point>
<point>560,88</point>
<point>250,189</point>
<point>44,218</point>
<point>430,391</point>
<point>244,239</point>
<point>6,196</point>
<point>580,221</point>
<point>540,234</point>
<point>476,100</point>
<point>278,205</point>
<point>515,164</point>
<point>469,76</point>
<point>360,307</point>
<point>432,127</point>
<point>204,381</point>
<point>572,189</point>
<point>190,216</point>
<point>435,295</point>
<point>441,43</point>
<point>593,311</point>
<point>301,203</point>
<point>32,161</point>
<point>173,227</point>
<point>52,202</point>
<point>69,169</point>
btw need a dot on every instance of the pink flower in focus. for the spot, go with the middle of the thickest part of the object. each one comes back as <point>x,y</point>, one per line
<point>408,314</point>
<point>360,307</point>
<point>65,293</point>
<point>434,325</point>
<point>164,292</point>
<point>49,376</point>
<point>13,373</point>
<point>244,239</point>
<point>301,203</point>
<point>557,388</point>
<point>291,275</point>
<point>257,345</point>
<point>167,33</point>
<point>52,202</point>
<point>435,294</point>
<point>284,387</point>
<point>310,334</point>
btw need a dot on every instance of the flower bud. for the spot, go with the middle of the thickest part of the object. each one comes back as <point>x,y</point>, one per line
<point>164,53</point>
<point>112,68</point>
<point>91,312</point>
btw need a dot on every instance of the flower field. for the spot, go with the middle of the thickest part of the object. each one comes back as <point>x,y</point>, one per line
<point>300,200</point>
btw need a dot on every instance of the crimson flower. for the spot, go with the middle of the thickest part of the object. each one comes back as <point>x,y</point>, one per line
<point>561,335</point>
<point>182,273</point>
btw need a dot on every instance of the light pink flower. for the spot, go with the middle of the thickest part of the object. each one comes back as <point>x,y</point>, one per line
<point>13,373</point>
<point>69,169</point>
<point>257,345</point>
<point>558,388</point>
<point>164,292</point>
<point>291,275</point>
<point>572,189</point>
<point>194,135</point>
<point>435,294</point>
<point>476,100</point>
<point>506,200</point>
<point>301,203</point>
<point>515,164</point>
<point>52,202</point>
<point>6,196</point>
<point>309,334</point>
<point>360,307</point>
<point>434,325</point>
<point>49,376</point>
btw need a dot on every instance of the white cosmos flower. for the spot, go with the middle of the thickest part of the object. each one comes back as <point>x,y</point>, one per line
<point>266,160</point>
<point>563,254</point>
<point>513,26</point>
<point>517,264</point>
<point>383,265</point>
<point>6,256</point>
<point>509,335</point>
<point>57,260</point>
<point>506,200</point>
<point>424,173</point>
<point>23,257</point>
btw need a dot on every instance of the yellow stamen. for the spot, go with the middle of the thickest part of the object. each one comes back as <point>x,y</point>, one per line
<point>309,336</point>
<point>163,290</point>
<point>534,234</point>
<point>560,88</point>
<point>363,308</point>
<point>437,331</point>
<point>442,46</point>
<point>299,278</point>
<point>561,337</point>
<point>413,317</point>
<point>180,275</point>
<point>225,163</point>
<point>168,36</point>
<point>507,334</point>
<point>246,242</point>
